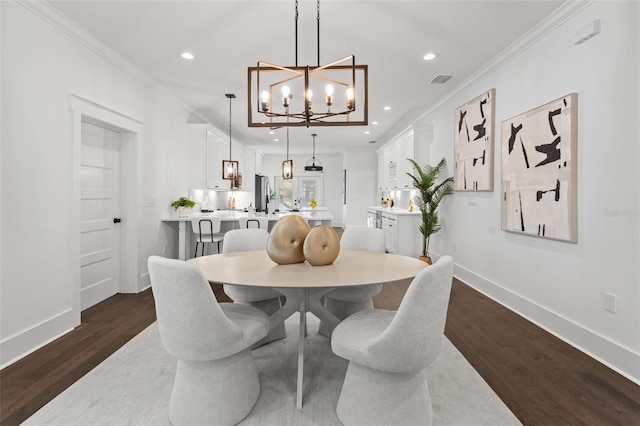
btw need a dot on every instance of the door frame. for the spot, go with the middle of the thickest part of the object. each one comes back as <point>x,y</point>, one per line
<point>131,132</point>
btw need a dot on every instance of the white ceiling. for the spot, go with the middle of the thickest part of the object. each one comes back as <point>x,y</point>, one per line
<point>226,37</point>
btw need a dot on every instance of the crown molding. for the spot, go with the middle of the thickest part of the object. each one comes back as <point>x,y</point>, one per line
<point>566,11</point>
<point>86,39</point>
<point>54,17</point>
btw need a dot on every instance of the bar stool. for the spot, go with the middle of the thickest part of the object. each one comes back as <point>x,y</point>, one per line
<point>254,222</point>
<point>207,230</point>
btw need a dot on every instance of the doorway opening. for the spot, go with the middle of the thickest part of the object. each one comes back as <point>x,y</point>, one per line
<point>105,198</point>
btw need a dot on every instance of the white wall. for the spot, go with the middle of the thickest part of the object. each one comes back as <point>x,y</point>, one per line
<point>44,62</point>
<point>560,285</point>
<point>332,173</point>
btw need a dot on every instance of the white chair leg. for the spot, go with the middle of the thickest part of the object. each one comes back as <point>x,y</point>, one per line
<point>371,397</point>
<point>220,392</point>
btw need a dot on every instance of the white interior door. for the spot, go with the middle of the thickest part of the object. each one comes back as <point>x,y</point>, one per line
<point>99,235</point>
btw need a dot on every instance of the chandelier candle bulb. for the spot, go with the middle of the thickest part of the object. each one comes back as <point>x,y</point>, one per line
<point>285,96</point>
<point>349,98</point>
<point>264,104</point>
<point>329,92</point>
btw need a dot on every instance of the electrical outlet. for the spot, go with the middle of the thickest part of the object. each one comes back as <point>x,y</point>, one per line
<point>471,201</point>
<point>610,301</point>
<point>165,249</point>
<point>455,246</point>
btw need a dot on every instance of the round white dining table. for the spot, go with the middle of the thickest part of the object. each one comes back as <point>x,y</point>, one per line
<point>303,285</point>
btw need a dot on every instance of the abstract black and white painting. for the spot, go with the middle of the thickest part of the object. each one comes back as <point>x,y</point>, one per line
<point>539,171</point>
<point>473,144</point>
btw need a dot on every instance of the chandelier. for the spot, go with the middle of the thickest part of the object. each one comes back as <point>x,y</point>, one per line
<point>283,95</point>
<point>230,167</point>
<point>313,165</point>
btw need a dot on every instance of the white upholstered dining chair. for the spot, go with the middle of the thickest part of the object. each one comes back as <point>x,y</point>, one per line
<point>265,299</point>
<point>216,380</point>
<point>388,353</point>
<point>207,231</point>
<point>345,301</point>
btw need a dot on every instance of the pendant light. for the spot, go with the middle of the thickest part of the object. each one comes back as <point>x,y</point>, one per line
<point>313,165</point>
<point>230,167</point>
<point>287,165</point>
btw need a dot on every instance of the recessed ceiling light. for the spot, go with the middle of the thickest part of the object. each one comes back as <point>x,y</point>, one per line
<point>276,140</point>
<point>375,123</point>
<point>271,132</point>
<point>387,108</point>
<point>430,56</point>
<point>187,55</point>
<point>367,132</point>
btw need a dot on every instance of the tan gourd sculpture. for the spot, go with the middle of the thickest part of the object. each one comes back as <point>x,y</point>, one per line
<point>286,240</point>
<point>322,245</point>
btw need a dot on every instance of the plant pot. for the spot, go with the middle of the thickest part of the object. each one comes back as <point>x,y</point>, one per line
<point>184,211</point>
<point>426,259</point>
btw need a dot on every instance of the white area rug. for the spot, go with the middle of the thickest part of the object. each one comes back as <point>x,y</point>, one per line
<point>132,387</point>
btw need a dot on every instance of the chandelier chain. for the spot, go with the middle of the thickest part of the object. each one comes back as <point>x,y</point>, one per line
<point>318,29</point>
<point>287,138</point>
<point>230,128</point>
<point>296,31</point>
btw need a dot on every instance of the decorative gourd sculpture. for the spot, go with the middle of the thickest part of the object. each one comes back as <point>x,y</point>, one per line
<point>322,245</point>
<point>286,240</point>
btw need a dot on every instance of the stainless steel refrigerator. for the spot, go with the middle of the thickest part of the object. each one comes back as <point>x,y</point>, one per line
<point>262,194</point>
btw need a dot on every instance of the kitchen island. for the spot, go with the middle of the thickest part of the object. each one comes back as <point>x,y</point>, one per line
<point>229,219</point>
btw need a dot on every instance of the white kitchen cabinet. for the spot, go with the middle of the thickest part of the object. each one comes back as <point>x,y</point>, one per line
<point>405,150</point>
<point>393,165</point>
<point>259,162</point>
<point>197,156</point>
<point>206,151</point>
<point>209,147</point>
<point>390,229</point>
<point>401,231</point>
<point>383,170</point>
<point>252,167</point>
<point>217,150</point>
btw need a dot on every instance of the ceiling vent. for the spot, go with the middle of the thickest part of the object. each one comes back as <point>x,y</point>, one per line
<point>441,79</point>
<point>372,141</point>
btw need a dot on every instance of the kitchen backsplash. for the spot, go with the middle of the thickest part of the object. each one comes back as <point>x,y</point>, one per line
<point>400,198</point>
<point>219,200</point>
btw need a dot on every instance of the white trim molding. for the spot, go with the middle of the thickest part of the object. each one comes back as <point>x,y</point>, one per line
<point>28,341</point>
<point>620,359</point>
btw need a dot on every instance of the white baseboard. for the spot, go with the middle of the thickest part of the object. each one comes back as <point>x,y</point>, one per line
<point>144,282</point>
<point>22,344</point>
<point>620,359</point>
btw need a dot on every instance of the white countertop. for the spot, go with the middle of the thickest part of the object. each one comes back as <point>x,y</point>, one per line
<point>233,215</point>
<point>396,211</point>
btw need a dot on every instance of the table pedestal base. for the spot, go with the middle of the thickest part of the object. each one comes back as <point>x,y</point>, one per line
<point>303,300</point>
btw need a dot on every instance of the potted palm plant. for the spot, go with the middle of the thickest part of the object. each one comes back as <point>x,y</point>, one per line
<point>430,194</point>
<point>183,206</point>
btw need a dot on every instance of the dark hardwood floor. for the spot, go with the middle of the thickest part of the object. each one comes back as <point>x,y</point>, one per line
<point>541,379</point>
